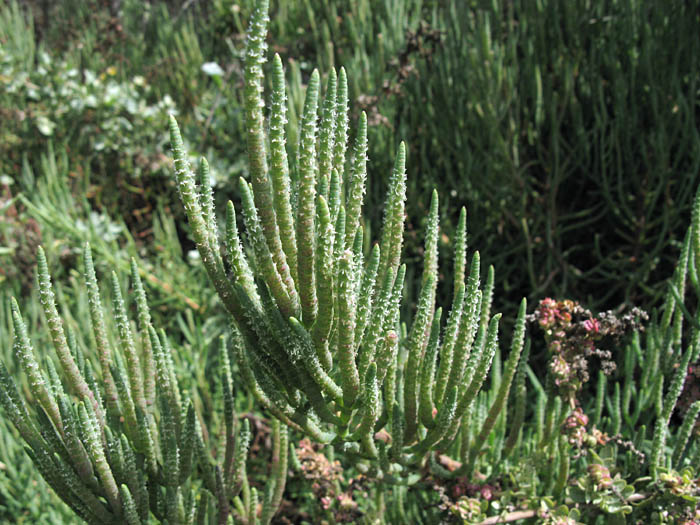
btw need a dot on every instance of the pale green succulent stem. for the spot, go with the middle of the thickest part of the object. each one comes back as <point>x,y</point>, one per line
<point>448,344</point>
<point>239,264</point>
<point>373,334</point>
<point>334,195</point>
<point>446,418</point>
<point>255,123</point>
<point>263,256</point>
<point>393,225</point>
<point>190,201</point>
<point>414,345</point>
<point>346,329</point>
<point>356,182</point>
<point>341,127</point>
<point>364,296</point>
<point>468,325</point>
<point>467,395</point>
<point>669,403</point>
<point>519,407</point>
<point>206,202</point>
<point>371,409</point>
<point>387,354</point>
<point>166,387</point>
<point>504,388</point>
<point>126,341</point>
<point>279,167</point>
<point>460,254</point>
<point>427,379</point>
<point>94,448</point>
<point>100,332</point>
<point>144,317</point>
<point>307,208</point>
<point>277,480</point>
<point>327,130</point>
<point>55,324</point>
<point>25,355</point>
<point>325,287</point>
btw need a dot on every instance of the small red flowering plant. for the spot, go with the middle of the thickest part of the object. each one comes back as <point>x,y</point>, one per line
<point>575,338</point>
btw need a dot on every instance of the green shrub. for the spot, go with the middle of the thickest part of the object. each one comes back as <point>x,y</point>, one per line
<point>569,130</point>
<point>131,445</point>
<point>317,330</point>
<point>418,413</point>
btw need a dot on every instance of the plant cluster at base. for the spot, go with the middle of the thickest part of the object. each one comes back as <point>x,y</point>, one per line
<point>316,327</point>
<point>120,441</point>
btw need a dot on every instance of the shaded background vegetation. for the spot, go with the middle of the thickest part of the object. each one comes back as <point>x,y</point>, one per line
<point>567,128</point>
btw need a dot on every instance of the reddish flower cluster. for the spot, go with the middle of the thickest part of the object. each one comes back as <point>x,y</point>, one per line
<point>551,313</point>
<point>575,427</point>
<point>325,477</point>
<point>573,334</point>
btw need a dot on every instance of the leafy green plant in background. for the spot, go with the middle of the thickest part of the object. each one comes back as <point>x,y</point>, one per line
<point>622,100</point>
<point>102,109</point>
<point>67,218</point>
<point>93,112</point>
<point>569,129</point>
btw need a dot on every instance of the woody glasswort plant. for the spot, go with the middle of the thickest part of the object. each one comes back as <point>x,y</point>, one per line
<point>317,338</point>
<point>316,328</point>
<point>113,433</point>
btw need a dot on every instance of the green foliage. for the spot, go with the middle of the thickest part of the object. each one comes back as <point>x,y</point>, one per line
<point>364,384</point>
<point>137,446</point>
<point>568,128</point>
<point>413,411</point>
<point>277,329</point>
<point>60,215</point>
<point>99,116</point>
<point>362,379</point>
<point>553,125</point>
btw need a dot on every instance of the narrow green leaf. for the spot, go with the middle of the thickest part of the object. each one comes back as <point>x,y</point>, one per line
<point>279,167</point>
<point>356,182</point>
<point>346,329</point>
<point>306,206</point>
<point>25,355</point>
<point>55,325</point>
